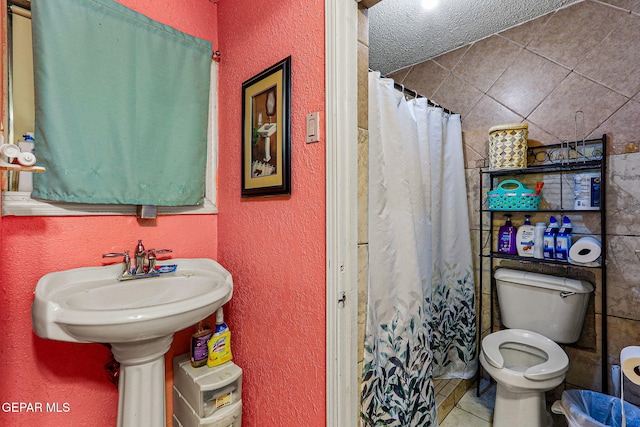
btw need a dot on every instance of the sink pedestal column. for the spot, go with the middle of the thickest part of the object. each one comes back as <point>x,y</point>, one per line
<point>141,384</point>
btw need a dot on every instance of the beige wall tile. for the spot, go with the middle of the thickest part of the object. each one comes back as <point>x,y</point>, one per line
<point>457,95</point>
<point>399,76</point>
<point>623,290</point>
<point>473,189</point>
<point>585,365</point>
<point>363,158</point>
<point>538,136</point>
<point>363,25</point>
<point>614,62</point>
<point>363,185</point>
<point>627,5</point>
<point>557,113</point>
<point>475,127</point>
<point>524,33</point>
<point>363,86</point>
<point>527,82</point>
<point>486,60</point>
<point>623,196</point>
<point>363,269</point>
<point>425,78</point>
<point>572,33</point>
<point>623,126</point>
<point>450,59</point>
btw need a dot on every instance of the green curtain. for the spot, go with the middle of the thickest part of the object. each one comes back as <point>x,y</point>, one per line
<point>121,106</point>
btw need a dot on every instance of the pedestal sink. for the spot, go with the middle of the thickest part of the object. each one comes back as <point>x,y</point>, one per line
<point>137,317</point>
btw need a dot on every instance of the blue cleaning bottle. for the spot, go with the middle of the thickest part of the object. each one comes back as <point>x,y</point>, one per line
<point>549,241</point>
<point>563,240</point>
<point>507,238</point>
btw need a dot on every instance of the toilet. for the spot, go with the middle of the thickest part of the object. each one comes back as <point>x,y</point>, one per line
<point>539,311</point>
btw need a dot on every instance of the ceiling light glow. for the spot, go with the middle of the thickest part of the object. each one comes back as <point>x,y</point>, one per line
<point>429,4</point>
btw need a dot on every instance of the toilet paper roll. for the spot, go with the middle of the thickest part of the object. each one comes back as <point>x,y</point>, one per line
<point>585,250</point>
<point>630,363</point>
<point>9,150</point>
<point>27,159</point>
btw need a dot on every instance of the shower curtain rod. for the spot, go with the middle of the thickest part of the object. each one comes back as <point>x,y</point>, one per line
<point>414,94</point>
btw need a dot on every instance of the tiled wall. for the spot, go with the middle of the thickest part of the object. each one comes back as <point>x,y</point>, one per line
<point>363,173</point>
<point>580,58</point>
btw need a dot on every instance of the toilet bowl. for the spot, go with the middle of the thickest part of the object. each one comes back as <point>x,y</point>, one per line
<point>524,365</point>
<point>525,360</point>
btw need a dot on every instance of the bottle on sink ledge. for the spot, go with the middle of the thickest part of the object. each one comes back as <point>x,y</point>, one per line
<point>199,341</point>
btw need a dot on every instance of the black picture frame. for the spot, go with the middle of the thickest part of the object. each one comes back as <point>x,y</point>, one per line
<point>266,132</point>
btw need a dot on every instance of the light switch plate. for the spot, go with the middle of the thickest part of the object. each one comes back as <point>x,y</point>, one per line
<point>313,127</point>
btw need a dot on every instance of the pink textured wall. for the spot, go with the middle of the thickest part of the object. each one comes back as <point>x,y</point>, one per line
<point>33,370</point>
<point>275,247</point>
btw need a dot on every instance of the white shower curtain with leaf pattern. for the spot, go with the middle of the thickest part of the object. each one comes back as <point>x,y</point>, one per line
<point>421,310</point>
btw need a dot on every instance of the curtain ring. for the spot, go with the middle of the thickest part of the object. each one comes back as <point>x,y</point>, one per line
<point>402,95</point>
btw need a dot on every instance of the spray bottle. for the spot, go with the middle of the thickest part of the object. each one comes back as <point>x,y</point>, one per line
<point>220,344</point>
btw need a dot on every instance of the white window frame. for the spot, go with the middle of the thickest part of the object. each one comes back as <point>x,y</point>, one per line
<point>21,203</point>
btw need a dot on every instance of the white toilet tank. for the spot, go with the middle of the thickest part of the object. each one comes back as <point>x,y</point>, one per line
<point>549,305</point>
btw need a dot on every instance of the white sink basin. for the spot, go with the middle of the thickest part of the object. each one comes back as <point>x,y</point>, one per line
<point>137,317</point>
<point>90,305</point>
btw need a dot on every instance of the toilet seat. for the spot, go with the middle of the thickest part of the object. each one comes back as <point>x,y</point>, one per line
<point>557,362</point>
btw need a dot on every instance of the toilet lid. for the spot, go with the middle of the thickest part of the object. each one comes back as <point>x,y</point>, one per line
<point>554,365</point>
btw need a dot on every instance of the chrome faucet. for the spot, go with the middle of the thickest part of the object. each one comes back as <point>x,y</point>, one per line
<point>146,259</point>
<point>145,262</point>
<point>152,255</point>
<point>126,265</point>
<point>140,255</point>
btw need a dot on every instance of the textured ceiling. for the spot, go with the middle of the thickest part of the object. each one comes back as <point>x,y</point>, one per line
<point>403,32</point>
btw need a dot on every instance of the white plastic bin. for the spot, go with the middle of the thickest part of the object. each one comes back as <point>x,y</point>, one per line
<point>207,390</point>
<point>586,408</point>
<point>229,416</point>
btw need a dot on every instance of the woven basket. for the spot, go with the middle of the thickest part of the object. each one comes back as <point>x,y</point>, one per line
<point>508,146</point>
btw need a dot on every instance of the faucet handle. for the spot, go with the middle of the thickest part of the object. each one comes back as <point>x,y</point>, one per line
<point>126,268</point>
<point>161,251</point>
<point>124,254</point>
<point>152,254</point>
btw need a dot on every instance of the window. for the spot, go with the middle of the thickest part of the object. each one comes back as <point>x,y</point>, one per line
<point>20,99</point>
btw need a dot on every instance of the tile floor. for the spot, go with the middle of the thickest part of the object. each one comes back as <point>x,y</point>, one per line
<point>448,393</point>
<point>474,411</point>
<point>471,410</point>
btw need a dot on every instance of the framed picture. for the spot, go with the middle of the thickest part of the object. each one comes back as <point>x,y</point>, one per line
<point>266,132</point>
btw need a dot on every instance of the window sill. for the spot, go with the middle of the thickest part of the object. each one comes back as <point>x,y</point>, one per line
<point>20,203</point>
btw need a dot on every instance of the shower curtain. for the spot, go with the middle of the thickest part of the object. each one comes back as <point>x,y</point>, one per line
<point>421,309</point>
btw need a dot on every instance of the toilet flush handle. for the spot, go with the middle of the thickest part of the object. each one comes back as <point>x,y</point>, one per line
<point>565,294</point>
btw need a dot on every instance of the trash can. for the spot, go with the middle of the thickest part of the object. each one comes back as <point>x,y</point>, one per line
<point>586,408</point>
